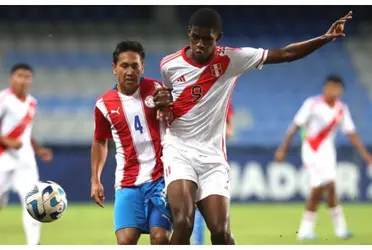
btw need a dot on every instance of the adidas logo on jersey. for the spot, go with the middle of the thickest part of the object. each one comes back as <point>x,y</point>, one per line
<point>181,79</point>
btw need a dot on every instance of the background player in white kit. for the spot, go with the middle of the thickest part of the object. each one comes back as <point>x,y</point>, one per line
<point>18,170</point>
<point>202,77</point>
<point>322,116</point>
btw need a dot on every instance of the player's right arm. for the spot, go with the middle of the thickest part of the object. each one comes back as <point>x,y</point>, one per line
<point>102,132</point>
<point>300,119</point>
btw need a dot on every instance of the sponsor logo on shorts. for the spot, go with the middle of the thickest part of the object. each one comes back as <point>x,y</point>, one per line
<point>166,217</point>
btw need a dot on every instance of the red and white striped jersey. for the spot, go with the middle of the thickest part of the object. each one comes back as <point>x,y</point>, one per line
<point>16,117</point>
<point>321,121</point>
<point>201,94</point>
<point>131,122</point>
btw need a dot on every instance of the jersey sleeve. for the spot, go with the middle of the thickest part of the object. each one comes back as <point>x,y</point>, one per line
<point>102,127</point>
<point>165,78</point>
<point>303,114</point>
<point>3,104</point>
<point>347,124</point>
<point>245,59</point>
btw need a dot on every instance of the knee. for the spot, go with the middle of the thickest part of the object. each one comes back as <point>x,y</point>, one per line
<point>221,233</point>
<point>159,239</point>
<point>126,241</point>
<point>183,222</point>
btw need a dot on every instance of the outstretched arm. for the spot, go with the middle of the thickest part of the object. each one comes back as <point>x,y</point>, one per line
<point>299,50</point>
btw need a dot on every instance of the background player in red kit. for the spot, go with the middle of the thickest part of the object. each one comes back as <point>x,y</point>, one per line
<point>321,116</point>
<point>127,115</point>
<point>202,77</point>
<point>18,169</point>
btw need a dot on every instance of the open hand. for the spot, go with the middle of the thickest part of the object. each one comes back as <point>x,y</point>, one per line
<point>337,28</point>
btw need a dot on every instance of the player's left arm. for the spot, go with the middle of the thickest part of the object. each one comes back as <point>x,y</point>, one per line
<point>348,128</point>
<point>299,50</point>
<point>43,153</point>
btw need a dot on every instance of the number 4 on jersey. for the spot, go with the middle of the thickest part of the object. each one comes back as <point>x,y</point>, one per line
<point>137,124</point>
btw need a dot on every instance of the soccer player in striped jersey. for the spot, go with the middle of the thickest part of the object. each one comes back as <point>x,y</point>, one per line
<point>321,116</point>
<point>127,115</point>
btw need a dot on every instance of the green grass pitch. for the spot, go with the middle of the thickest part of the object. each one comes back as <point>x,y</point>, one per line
<point>251,224</point>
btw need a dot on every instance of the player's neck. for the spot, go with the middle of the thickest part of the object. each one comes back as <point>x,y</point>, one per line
<point>191,57</point>
<point>330,102</point>
<point>125,91</point>
<point>19,94</point>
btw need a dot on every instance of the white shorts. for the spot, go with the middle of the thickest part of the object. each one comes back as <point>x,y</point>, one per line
<point>20,178</point>
<point>212,175</point>
<point>320,164</point>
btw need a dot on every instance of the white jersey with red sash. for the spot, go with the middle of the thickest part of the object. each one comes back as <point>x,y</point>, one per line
<point>16,117</point>
<point>321,122</point>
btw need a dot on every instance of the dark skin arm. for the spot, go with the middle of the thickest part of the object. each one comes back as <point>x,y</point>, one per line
<point>359,146</point>
<point>299,50</point>
<point>281,152</point>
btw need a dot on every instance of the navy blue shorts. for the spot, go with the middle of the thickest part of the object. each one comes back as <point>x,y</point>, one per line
<point>142,207</point>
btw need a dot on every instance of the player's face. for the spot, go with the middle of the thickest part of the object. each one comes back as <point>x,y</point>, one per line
<point>128,70</point>
<point>333,90</point>
<point>21,81</point>
<point>203,43</point>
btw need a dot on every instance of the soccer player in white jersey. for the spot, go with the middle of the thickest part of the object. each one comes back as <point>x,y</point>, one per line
<point>18,169</point>
<point>202,76</point>
<point>322,116</point>
<point>127,115</point>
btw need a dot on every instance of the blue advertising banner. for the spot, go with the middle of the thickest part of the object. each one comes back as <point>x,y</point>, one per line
<point>254,175</point>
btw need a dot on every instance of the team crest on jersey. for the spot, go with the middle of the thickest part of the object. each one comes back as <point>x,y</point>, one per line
<point>216,69</point>
<point>149,101</point>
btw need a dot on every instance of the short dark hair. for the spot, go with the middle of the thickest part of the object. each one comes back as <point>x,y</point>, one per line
<point>125,46</point>
<point>336,79</point>
<point>206,18</point>
<point>18,66</point>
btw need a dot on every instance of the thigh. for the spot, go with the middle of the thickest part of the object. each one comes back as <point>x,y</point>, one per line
<point>6,181</point>
<point>216,212</point>
<point>158,221</point>
<point>177,166</point>
<point>129,211</point>
<point>181,196</point>
<point>216,181</point>
<point>156,201</point>
<point>25,177</point>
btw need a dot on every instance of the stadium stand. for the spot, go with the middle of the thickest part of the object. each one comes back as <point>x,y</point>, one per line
<point>70,49</point>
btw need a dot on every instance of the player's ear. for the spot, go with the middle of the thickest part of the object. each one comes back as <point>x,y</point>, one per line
<point>219,36</point>
<point>189,31</point>
<point>143,68</point>
<point>114,68</point>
